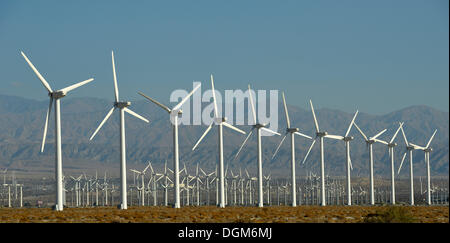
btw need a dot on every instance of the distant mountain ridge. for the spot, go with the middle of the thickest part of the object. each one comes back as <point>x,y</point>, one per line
<point>23,120</point>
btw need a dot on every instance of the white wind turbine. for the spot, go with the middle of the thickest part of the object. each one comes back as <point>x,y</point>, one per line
<point>220,122</point>
<point>174,113</point>
<point>370,141</point>
<point>391,145</point>
<point>55,97</point>
<point>321,135</point>
<point>259,127</point>
<point>293,132</point>
<point>142,175</point>
<point>207,184</point>
<point>410,147</point>
<point>123,107</point>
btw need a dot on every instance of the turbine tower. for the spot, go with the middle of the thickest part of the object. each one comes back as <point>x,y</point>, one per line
<point>293,131</point>
<point>55,97</point>
<point>370,141</point>
<point>259,127</point>
<point>391,145</point>
<point>123,107</point>
<point>320,135</point>
<point>174,113</point>
<point>220,122</point>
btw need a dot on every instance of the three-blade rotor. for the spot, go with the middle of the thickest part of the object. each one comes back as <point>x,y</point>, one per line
<point>217,120</point>
<point>52,94</point>
<point>117,104</point>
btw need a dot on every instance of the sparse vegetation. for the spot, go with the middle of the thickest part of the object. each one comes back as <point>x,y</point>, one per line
<point>391,214</point>
<point>212,214</point>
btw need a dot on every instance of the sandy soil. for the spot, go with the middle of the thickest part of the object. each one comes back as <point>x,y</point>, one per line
<point>211,214</point>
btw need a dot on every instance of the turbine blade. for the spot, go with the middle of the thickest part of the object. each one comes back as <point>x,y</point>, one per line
<point>232,127</point>
<point>204,134</point>
<point>279,145</point>
<point>156,102</point>
<point>72,87</point>
<point>314,116</point>
<point>186,98</point>
<point>135,114</point>
<point>270,131</point>
<point>337,137</point>
<point>251,104</point>
<point>349,157</point>
<point>202,171</point>
<point>309,150</point>
<point>364,135</point>
<point>286,111</point>
<point>303,135</point>
<point>248,136</point>
<point>214,97</point>
<point>404,137</point>
<point>44,82</point>
<point>417,146</point>
<point>116,90</point>
<point>101,124</point>
<point>429,141</point>
<point>379,134</point>
<point>395,135</point>
<point>46,123</point>
<point>403,159</point>
<point>381,141</point>
<point>351,123</point>
<point>350,162</point>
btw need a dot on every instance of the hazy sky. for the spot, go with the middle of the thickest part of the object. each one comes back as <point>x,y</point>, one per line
<point>377,56</point>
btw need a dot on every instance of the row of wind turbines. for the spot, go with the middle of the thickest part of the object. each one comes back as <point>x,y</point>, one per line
<point>176,112</point>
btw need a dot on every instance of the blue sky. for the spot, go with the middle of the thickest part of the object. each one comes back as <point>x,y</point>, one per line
<point>375,56</point>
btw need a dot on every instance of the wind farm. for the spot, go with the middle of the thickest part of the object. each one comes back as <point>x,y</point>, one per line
<point>367,121</point>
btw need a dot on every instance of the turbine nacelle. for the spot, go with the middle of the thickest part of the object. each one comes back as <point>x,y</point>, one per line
<point>259,125</point>
<point>292,130</point>
<point>57,94</point>
<point>349,138</point>
<point>391,145</point>
<point>321,134</point>
<point>428,150</point>
<point>122,104</point>
<point>219,120</point>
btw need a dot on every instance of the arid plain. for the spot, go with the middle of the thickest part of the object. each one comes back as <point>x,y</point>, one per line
<point>212,214</point>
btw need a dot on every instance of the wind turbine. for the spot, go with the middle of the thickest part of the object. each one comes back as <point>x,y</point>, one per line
<point>321,135</point>
<point>410,147</point>
<point>174,113</point>
<point>220,122</point>
<point>427,149</point>
<point>55,97</point>
<point>259,127</point>
<point>370,141</point>
<point>391,145</point>
<point>123,107</point>
<point>349,166</point>
<point>293,132</point>
<point>142,189</point>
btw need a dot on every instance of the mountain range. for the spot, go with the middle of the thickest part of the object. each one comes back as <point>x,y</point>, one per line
<point>22,122</point>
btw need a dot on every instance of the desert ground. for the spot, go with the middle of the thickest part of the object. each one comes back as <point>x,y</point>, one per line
<point>212,214</point>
